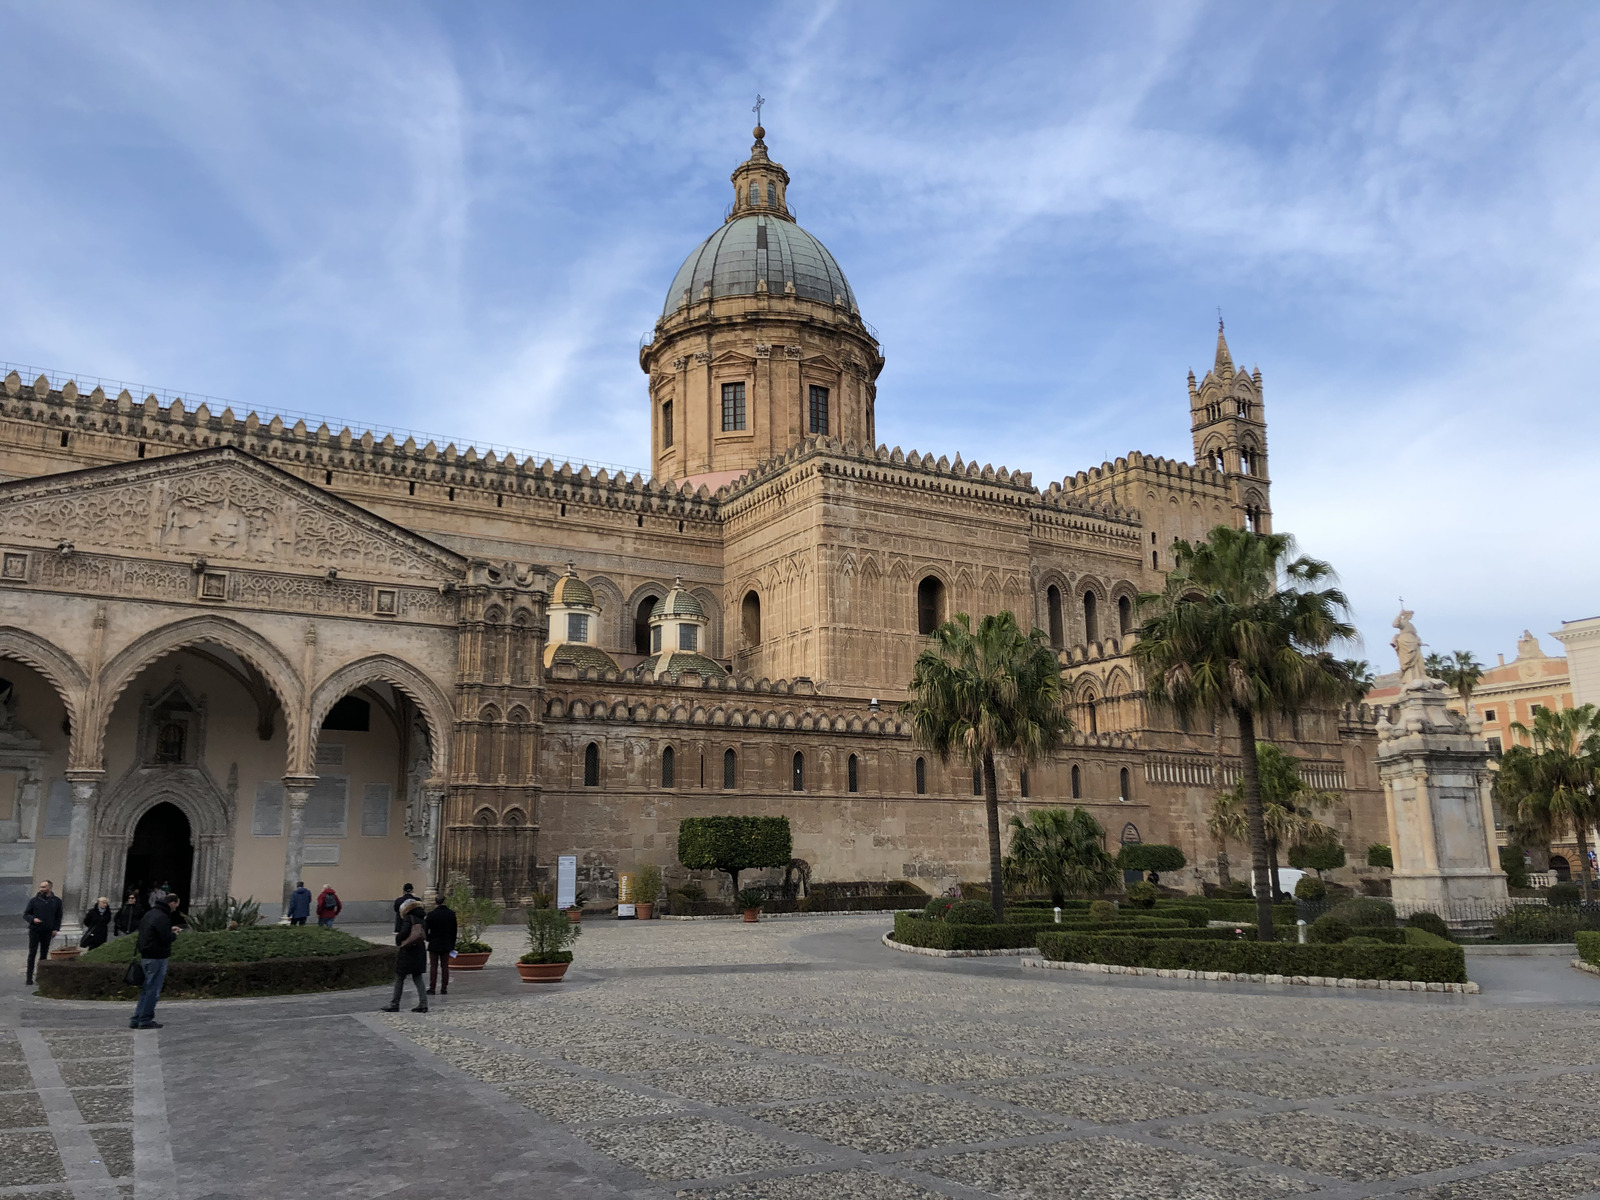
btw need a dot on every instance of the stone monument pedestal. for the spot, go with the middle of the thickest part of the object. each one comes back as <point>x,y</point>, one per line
<point>1436,783</point>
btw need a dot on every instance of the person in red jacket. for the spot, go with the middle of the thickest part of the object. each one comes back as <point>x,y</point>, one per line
<point>328,906</point>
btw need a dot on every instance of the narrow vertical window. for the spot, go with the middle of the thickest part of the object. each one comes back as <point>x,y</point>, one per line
<point>772,195</point>
<point>1077,783</point>
<point>819,409</point>
<point>666,423</point>
<point>754,195</point>
<point>922,777</point>
<point>577,627</point>
<point>1024,783</point>
<point>977,781</point>
<point>669,768</point>
<point>1125,614</point>
<point>1091,620</point>
<point>1052,603</point>
<point>854,772</point>
<point>732,407</point>
<point>591,765</point>
<point>799,771</point>
<point>655,639</point>
<point>730,769</point>
<point>688,637</point>
<point>1122,784</point>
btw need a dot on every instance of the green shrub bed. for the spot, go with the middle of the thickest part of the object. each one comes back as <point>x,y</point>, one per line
<point>1589,947</point>
<point>1532,923</point>
<point>268,961</point>
<point>912,930</point>
<point>1382,961</point>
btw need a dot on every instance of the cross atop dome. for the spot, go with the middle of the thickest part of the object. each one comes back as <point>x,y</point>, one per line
<point>759,184</point>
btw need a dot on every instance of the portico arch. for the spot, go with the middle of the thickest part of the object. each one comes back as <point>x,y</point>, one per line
<point>61,671</point>
<point>194,792</point>
<point>268,659</point>
<point>429,698</point>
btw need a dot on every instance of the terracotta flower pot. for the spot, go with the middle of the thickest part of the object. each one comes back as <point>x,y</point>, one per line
<point>66,952</point>
<point>575,915</point>
<point>644,911</point>
<point>473,961</point>
<point>542,972</point>
<point>752,915</point>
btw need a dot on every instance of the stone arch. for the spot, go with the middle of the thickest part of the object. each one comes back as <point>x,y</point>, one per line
<point>273,664</point>
<point>614,618</point>
<point>1122,620</point>
<point>632,622</point>
<point>422,691</point>
<point>194,792</point>
<point>60,670</point>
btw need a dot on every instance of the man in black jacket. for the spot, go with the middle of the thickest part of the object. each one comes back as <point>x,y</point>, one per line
<point>406,893</point>
<point>440,926</point>
<point>43,918</point>
<point>154,948</point>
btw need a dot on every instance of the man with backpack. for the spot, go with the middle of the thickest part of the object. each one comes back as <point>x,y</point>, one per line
<point>328,906</point>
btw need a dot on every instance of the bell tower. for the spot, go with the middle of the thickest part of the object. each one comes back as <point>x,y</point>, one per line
<point>1229,424</point>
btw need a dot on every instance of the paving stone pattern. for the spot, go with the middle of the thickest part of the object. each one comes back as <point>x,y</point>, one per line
<point>876,1083</point>
<point>31,1156</point>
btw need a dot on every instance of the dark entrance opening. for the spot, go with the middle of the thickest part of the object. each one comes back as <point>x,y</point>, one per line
<point>162,853</point>
<point>641,625</point>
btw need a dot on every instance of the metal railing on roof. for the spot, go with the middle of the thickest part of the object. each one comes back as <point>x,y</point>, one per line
<point>191,400</point>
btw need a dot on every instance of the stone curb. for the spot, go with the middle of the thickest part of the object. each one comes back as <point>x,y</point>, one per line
<point>766,916</point>
<point>1586,966</point>
<point>1387,985</point>
<point>1014,952</point>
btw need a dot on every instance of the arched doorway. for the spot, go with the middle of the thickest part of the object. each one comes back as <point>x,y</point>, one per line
<point>162,853</point>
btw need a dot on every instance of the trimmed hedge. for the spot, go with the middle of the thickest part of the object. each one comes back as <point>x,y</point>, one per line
<point>911,930</point>
<point>734,844</point>
<point>256,944</point>
<point>1260,958</point>
<point>1245,910</point>
<point>77,979</point>
<point>1150,856</point>
<point>1589,947</point>
<point>807,904</point>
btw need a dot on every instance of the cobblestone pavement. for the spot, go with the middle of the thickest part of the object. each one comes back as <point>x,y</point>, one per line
<point>802,1059</point>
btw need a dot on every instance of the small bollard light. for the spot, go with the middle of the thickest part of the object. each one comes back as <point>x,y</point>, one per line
<point>1058,916</point>
<point>1300,928</point>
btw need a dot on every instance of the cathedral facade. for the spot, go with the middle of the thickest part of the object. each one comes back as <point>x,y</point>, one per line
<point>237,652</point>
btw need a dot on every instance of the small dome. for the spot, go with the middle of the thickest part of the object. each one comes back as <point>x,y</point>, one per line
<point>676,662</point>
<point>579,655</point>
<point>757,247</point>
<point>569,589</point>
<point>678,603</point>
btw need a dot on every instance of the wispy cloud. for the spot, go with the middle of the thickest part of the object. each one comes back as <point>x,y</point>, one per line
<point>431,217</point>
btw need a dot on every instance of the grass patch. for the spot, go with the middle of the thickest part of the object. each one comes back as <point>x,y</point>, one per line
<point>240,945</point>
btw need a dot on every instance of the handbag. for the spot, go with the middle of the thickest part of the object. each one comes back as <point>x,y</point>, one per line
<point>134,976</point>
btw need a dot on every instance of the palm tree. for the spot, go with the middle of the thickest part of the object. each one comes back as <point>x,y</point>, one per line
<point>1288,808</point>
<point>1460,670</point>
<point>1359,672</point>
<point>1060,852</point>
<point>1242,629</point>
<point>980,693</point>
<point>1555,782</point>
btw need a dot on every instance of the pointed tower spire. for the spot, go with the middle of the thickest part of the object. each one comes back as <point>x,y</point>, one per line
<point>1224,359</point>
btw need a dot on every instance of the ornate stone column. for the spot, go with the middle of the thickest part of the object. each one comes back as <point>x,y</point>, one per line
<point>296,791</point>
<point>75,885</point>
<point>425,840</point>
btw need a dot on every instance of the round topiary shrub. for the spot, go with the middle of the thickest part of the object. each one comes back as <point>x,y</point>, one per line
<point>1564,895</point>
<point>1102,910</point>
<point>1328,930</point>
<point>970,912</point>
<point>936,908</point>
<point>1364,911</point>
<point>1310,888</point>
<point>1429,922</point>
<point>1142,894</point>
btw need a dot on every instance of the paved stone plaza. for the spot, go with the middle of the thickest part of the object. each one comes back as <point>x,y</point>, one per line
<point>801,1058</point>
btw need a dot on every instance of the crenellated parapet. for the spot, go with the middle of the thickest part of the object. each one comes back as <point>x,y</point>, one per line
<point>169,428</point>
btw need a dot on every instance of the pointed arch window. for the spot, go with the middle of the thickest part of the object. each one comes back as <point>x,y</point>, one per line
<point>1024,783</point>
<point>669,768</point>
<point>853,781</point>
<point>730,769</point>
<point>1077,783</point>
<point>1052,603</point>
<point>1125,613</point>
<point>922,776</point>
<point>1091,618</point>
<point>1125,785</point>
<point>591,765</point>
<point>799,782</point>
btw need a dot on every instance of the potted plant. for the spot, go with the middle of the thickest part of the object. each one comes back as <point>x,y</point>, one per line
<point>549,935</point>
<point>474,915</point>
<point>751,900</point>
<point>575,913</point>
<point>646,890</point>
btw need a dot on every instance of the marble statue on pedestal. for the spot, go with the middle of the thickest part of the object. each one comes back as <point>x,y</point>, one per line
<point>1434,766</point>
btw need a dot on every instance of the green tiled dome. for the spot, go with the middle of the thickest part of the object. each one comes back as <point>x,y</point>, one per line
<point>569,589</point>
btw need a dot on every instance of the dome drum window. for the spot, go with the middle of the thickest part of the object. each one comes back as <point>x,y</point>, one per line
<point>577,627</point>
<point>733,409</point>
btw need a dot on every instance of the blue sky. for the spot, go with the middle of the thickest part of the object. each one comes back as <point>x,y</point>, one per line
<point>461,218</point>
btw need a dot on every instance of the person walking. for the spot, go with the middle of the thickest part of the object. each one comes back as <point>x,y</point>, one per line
<point>96,924</point>
<point>413,957</point>
<point>328,906</point>
<point>156,936</point>
<point>129,915</point>
<point>299,903</point>
<point>440,926</point>
<point>43,919</point>
<point>406,893</point>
